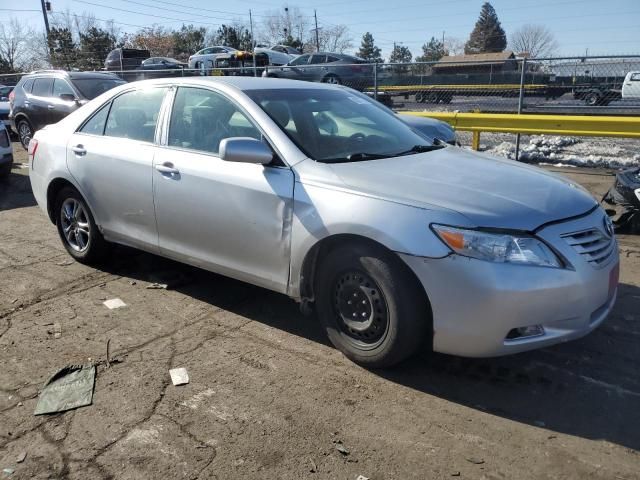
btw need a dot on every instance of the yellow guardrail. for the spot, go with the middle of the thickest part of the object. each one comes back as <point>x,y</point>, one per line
<point>458,87</point>
<point>570,125</point>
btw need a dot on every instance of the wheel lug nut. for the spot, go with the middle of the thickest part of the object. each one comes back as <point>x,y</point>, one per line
<point>348,302</point>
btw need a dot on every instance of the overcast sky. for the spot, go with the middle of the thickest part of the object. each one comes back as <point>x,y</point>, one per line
<point>609,27</point>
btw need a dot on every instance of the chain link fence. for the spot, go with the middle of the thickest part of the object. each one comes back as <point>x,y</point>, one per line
<point>497,83</point>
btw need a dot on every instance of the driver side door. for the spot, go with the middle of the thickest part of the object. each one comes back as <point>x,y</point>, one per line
<point>231,218</point>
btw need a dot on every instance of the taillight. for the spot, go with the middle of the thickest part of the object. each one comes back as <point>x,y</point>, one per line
<point>12,95</point>
<point>33,147</point>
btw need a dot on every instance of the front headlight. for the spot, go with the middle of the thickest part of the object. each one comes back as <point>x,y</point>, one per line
<point>498,247</point>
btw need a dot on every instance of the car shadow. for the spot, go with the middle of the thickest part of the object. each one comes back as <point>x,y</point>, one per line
<point>15,190</point>
<point>589,388</point>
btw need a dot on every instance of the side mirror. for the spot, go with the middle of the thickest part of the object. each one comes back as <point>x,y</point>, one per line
<point>245,150</point>
<point>68,97</point>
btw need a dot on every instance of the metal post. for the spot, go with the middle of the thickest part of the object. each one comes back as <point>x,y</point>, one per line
<point>315,15</point>
<point>46,27</point>
<point>520,103</point>
<point>375,81</point>
<point>253,45</point>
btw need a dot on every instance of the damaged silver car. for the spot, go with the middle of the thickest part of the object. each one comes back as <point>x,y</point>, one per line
<point>322,194</point>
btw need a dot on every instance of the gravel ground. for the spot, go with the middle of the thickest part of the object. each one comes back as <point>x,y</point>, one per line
<point>269,398</point>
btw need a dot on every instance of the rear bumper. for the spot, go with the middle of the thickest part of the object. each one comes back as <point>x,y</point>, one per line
<point>476,304</point>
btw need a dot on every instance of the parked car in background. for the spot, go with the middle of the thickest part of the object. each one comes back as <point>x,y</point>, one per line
<point>432,128</point>
<point>6,152</point>
<point>47,96</point>
<point>5,107</point>
<point>336,68</point>
<point>209,54</point>
<point>279,54</point>
<point>398,242</point>
<point>159,67</point>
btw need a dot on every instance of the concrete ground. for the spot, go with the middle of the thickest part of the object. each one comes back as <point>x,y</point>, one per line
<point>269,397</point>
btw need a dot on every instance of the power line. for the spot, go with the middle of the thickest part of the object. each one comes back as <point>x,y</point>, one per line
<point>147,14</point>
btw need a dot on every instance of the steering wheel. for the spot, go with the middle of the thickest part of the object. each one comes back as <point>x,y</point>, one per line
<point>359,136</point>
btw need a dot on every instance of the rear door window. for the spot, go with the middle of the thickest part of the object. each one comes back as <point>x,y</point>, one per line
<point>315,59</point>
<point>134,114</point>
<point>42,87</point>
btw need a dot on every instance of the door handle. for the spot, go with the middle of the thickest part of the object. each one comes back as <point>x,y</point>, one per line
<point>167,169</point>
<point>50,107</point>
<point>79,150</point>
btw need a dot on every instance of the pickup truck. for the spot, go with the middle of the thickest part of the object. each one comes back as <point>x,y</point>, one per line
<point>603,94</point>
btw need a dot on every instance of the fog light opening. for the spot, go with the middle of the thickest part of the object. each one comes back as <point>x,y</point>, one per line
<point>525,332</point>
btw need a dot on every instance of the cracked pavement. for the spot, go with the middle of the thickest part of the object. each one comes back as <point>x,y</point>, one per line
<point>269,397</point>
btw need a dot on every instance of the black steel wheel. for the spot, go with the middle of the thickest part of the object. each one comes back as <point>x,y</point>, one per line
<point>371,305</point>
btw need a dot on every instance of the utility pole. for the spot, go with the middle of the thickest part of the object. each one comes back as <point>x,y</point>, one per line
<point>46,24</point>
<point>44,14</point>
<point>315,15</point>
<point>253,45</point>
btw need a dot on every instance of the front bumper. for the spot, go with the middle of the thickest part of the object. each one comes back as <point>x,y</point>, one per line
<point>476,304</point>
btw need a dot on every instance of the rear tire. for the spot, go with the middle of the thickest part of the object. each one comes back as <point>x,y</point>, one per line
<point>25,133</point>
<point>372,307</point>
<point>332,79</point>
<point>77,228</point>
<point>592,99</point>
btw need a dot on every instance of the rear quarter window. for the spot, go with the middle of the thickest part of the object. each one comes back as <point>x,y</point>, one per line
<point>27,85</point>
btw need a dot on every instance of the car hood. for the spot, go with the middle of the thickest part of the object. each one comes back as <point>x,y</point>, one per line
<point>490,192</point>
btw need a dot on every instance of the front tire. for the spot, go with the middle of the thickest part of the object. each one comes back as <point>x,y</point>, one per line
<point>77,228</point>
<point>371,306</point>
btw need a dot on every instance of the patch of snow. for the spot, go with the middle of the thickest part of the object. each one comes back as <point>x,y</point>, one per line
<point>569,151</point>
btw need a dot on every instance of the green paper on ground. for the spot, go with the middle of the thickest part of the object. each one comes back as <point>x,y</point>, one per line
<point>70,387</point>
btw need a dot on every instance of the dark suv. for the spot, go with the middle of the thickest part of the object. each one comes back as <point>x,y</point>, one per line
<point>47,96</point>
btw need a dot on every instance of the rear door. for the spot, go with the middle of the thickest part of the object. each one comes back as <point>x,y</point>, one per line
<point>111,158</point>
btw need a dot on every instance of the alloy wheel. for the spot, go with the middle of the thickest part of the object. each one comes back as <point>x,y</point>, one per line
<point>75,224</point>
<point>24,132</point>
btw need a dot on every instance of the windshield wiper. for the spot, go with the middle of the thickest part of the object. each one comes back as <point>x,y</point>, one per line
<point>420,149</point>
<point>358,157</point>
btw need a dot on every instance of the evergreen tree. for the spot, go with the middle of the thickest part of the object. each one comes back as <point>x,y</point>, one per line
<point>432,51</point>
<point>488,35</point>
<point>368,50</point>
<point>95,45</point>
<point>188,40</point>
<point>64,52</point>
<point>400,54</point>
<point>237,37</point>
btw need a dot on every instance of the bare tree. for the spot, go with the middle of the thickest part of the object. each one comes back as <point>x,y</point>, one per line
<point>332,39</point>
<point>536,41</point>
<point>453,46</point>
<point>279,25</point>
<point>14,45</point>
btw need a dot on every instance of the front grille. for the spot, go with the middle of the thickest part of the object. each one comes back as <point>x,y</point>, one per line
<point>592,245</point>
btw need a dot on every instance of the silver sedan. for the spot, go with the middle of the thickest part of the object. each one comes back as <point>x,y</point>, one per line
<point>322,194</point>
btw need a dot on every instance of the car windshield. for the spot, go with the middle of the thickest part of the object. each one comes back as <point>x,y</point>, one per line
<point>338,125</point>
<point>90,88</point>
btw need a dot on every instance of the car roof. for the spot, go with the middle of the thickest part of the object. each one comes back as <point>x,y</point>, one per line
<point>241,83</point>
<point>71,75</point>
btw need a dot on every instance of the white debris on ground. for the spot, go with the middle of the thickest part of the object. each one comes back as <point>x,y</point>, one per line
<point>570,151</point>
